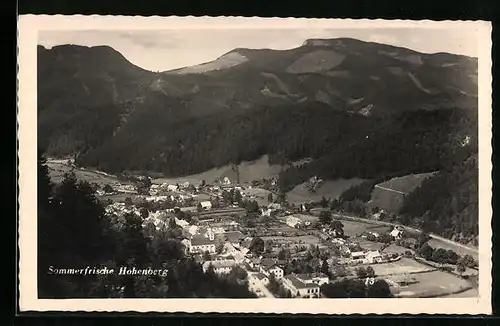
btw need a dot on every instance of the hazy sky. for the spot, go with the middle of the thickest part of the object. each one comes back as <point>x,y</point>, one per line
<point>170,49</point>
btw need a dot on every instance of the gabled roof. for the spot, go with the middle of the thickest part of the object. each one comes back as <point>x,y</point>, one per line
<point>220,263</point>
<point>260,276</point>
<point>267,263</point>
<point>310,276</point>
<point>200,241</point>
<point>299,284</point>
<point>234,236</point>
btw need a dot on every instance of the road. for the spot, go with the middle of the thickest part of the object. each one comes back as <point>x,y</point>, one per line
<point>433,236</point>
<point>255,283</point>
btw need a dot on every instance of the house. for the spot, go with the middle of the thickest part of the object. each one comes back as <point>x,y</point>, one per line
<point>187,245</point>
<point>234,237</point>
<point>254,262</point>
<point>206,205</point>
<point>200,244</point>
<point>293,221</point>
<point>182,223</point>
<point>192,229</point>
<point>373,257</point>
<point>263,278</point>
<point>274,206</point>
<point>300,289</point>
<point>396,233</point>
<point>220,266</point>
<point>268,266</point>
<point>357,256</point>
<point>246,242</point>
<point>226,181</point>
<point>172,187</point>
<point>266,212</point>
<point>313,278</point>
<point>323,236</point>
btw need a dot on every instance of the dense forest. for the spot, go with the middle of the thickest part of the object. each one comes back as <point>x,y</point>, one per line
<point>411,142</point>
<point>358,111</point>
<point>74,233</point>
<point>447,203</point>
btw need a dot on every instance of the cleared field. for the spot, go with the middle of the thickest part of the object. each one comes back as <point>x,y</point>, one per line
<point>257,194</point>
<point>395,249</point>
<point>305,239</point>
<point>368,245</point>
<point>352,228</point>
<point>378,228</point>
<point>57,171</point>
<point>436,243</point>
<point>248,171</point>
<point>329,189</point>
<point>279,227</point>
<point>305,217</point>
<point>389,195</point>
<point>433,284</point>
<point>402,266</point>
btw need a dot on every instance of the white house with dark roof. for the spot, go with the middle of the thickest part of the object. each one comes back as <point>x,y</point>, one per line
<point>396,233</point>
<point>220,266</point>
<point>200,244</point>
<point>373,257</point>
<point>313,278</point>
<point>269,266</point>
<point>206,205</point>
<point>300,289</point>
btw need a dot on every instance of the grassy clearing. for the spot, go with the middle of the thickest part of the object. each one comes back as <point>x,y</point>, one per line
<point>436,243</point>
<point>391,201</point>
<point>329,189</point>
<point>471,293</point>
<point>402,266</point>
<point>434,284</point>
<point>249,171</point>
<point>352,228</point>
<point>57,171</point>
<point>369,245</point>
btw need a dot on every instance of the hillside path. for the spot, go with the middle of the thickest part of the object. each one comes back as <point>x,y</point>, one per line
<point>389,189</point>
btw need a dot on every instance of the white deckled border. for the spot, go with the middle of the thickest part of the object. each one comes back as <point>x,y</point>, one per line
<point>30,25</point>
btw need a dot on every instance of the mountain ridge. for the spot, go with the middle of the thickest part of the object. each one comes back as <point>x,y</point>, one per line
<point>93,101</point>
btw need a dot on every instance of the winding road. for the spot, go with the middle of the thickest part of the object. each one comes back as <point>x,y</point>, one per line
<point>473,251</point>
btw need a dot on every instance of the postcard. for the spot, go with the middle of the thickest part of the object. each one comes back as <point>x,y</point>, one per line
<point>254,165</point>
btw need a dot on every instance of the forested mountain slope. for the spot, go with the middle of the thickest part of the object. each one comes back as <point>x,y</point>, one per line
<point>339,101</point>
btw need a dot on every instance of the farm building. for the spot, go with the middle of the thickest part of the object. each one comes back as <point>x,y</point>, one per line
<point>397,233</point>
<point>206,205</point>
<point>299,288</point>
<point>316,278</point>
<point>373,257</point>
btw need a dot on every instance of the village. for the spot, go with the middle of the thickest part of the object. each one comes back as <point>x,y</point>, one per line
<point>285,251</point>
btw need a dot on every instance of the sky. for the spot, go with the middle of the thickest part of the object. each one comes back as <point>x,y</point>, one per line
<point>161,50</point>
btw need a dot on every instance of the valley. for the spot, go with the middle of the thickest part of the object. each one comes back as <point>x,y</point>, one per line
<point>309,172</point>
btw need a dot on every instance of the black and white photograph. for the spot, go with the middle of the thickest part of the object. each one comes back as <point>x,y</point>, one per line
<point>307,160</point>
